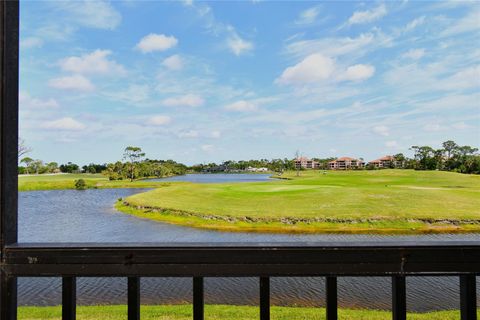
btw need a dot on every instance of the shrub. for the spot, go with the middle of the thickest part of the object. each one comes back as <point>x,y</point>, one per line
<point>80,184</point>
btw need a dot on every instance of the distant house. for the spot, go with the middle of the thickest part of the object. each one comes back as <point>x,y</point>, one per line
<point>306,163</point>
<point>345,163</point>
<point>385,162</point>
<point>251,169</point>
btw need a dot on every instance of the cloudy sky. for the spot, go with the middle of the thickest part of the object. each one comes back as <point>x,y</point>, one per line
<point>211,81</point>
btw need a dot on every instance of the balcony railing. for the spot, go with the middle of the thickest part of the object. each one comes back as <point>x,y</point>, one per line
<point>201,260</point>
<point>262,260</point>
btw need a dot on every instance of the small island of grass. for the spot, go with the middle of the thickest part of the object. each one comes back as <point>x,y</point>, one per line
<point>378,201</point>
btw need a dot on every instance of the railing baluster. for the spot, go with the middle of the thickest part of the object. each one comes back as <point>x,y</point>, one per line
<point>69,298</point>
<point>198,298</point>
<point>399,298</point>
<point>331,297</point>
<point>264,298</point>
<point>8,297</point>
<point>468,297</point>
<point>133,298</point>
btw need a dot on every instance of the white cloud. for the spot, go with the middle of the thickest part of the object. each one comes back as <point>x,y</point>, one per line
<point>432,127</point>
<point>67,124</point>
<point>391,144</point>
<point>93,14</point>
<point>174,62</point>
<point>207,147</point>
<point>308,16</point>
<point>466,78</point>
<point>156,42</point>
<point>382,130</point>
<point>357,72</point>
<point>159,120</point>
<point>470,22</point>
<point>367,16</point>
<point>414,24</point>
<point>55,32</point>
<point>75,82</point>
<point>188,100</point>
<point>238,45</point>
<point>215,134</point>
<point>242,106</point>
<point>334,47</point>
<point>315,67</point>
<point>135,93</point>
<point>27,102</point>
<point>460,125</point>
<point>96,62</point>
<point>31,42</point>
<point>232,40</point>
<point>414,54</point>
<point>188,134</point>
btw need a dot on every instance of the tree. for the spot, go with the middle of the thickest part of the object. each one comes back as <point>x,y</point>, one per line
<point>38,166</point>
<point>466,150</point>
<point>28,162</point>
<point>399,160</point>
<point>449,147</point>
<point>22,148</point>
<point>69,167</point>
<point>52,167</point>
<point>134,155</point>
<point>425,157</point>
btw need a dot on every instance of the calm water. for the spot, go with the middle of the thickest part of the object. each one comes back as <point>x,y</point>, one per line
<point>89,216</point>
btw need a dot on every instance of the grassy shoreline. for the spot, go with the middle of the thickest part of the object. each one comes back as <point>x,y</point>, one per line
<point>67,181</point>
<point>386,202</point>
<point>217,312</point>
<point>394,226</point>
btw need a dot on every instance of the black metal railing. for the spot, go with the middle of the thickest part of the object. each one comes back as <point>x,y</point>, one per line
<point>330,260</point>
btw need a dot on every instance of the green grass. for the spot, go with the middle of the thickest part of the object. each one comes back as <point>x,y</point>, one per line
<point>385,201</point>
<point>67,181</point>
<point>219,312</point>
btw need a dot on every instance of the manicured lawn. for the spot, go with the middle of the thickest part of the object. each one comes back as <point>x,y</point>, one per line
<point>219,312</point>
<point>390,201</point>
<point>67,181</point>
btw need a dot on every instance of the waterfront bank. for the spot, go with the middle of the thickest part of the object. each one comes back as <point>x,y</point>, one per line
<point>220,312</point>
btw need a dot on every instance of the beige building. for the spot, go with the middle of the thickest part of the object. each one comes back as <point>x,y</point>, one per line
<point>385,162</point>
<point>305,163</point>
<point>345,163</point>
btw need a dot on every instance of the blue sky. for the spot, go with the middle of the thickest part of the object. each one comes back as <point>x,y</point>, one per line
<point>211,81</point>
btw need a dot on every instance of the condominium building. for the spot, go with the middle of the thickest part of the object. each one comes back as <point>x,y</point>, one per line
<point>305,163</point>
<point>385,162</point>
<point>345,163</point>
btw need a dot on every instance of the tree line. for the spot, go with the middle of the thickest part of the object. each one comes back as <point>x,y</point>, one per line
<point>276,165</point>
<point>451,157</point>
<point>134,164</point>
<point>36,166</point>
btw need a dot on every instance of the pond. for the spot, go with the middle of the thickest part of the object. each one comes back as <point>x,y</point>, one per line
<point>89,216</point>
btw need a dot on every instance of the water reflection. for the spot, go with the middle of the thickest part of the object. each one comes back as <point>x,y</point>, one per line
<point>89,216</point>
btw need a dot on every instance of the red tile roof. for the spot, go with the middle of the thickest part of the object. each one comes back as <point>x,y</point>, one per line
<point>385,158</point>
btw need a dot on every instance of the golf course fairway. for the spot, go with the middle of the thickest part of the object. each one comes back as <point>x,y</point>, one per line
<point>379,201</point>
